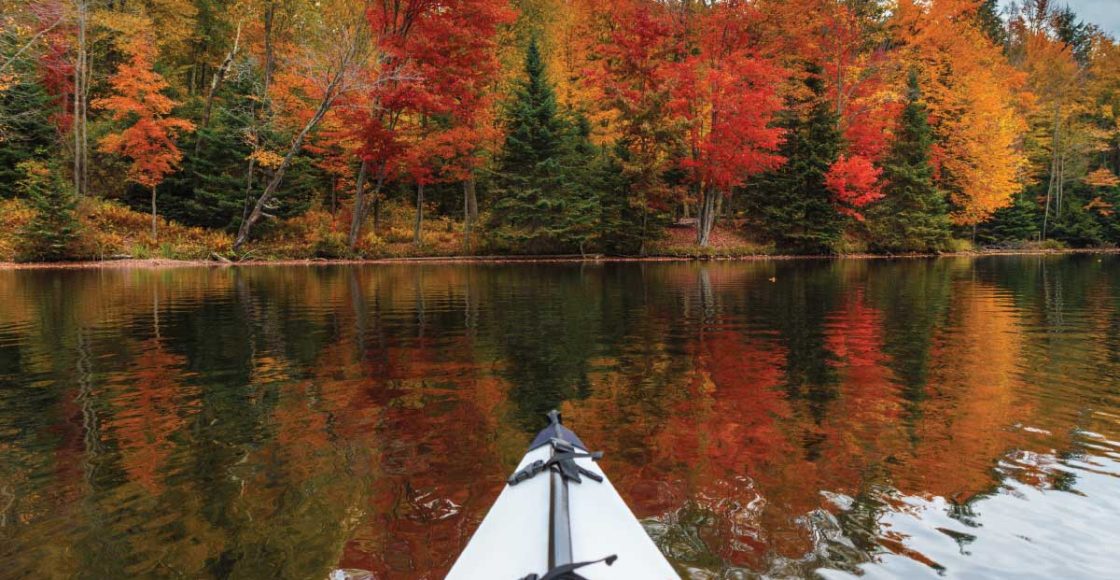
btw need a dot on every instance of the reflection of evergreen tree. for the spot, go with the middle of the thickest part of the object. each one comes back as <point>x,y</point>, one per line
<point>548,339</point>
<point>914,298</point>
<point>800,301</point>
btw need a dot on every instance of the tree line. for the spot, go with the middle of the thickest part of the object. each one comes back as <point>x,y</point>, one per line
<point>542,126</point>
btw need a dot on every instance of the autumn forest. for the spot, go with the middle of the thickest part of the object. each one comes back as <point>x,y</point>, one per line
<point>374,128</point>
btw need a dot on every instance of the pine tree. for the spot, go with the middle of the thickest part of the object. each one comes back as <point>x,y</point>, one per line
<point>624,226</point>
<point>26,131</point>
<point>50,235</point>
<point>1018,222</point>
<point>547,200</point>
<point>988,20</point>
<point>793,205</point>
<point>210,190</point>
<point>913,217</point>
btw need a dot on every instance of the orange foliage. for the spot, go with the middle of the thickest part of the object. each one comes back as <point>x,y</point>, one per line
<point>974,98</point>
<point>138,100</point>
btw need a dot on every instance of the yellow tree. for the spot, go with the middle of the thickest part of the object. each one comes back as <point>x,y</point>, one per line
<point>1064,130</point>
<point>976,101</point>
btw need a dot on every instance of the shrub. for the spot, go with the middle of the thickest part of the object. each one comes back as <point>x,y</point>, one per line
<point>330,244</point>
<point>960,245</point>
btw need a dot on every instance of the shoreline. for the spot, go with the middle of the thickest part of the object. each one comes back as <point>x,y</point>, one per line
<point>160,263</point>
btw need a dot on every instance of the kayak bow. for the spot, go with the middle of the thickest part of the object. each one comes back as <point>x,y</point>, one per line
<point>559,517</point>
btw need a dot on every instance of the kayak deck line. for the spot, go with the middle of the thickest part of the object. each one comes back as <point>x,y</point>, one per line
<point>583,522</point>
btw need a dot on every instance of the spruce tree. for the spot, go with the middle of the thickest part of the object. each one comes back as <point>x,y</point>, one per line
<point>913,216</point>
<point>546,193</point>
<point>50,235</point>
<point>1018,222</point>
<point>990,23</point>
<point>26,130</point>
<point>792,205</point>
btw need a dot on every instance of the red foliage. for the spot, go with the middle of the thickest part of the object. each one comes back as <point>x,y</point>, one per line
<point>854,181</point>
<point>55,64</point>
<point>440,60</point>
<point>725,91</point>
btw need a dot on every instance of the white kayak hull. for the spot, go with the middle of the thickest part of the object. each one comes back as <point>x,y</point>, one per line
<point>518,534</point>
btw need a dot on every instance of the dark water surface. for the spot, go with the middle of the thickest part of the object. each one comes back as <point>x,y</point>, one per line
<point>893,418</point>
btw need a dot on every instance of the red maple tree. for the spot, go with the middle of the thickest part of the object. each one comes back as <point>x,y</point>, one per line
<point>148,138</point>
<point>725,92</point>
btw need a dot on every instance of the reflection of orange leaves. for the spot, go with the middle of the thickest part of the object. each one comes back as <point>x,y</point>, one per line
<point>973,399</point>
<point>151,410</point>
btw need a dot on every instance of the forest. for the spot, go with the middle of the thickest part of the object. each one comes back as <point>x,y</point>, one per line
<point>260,129</point>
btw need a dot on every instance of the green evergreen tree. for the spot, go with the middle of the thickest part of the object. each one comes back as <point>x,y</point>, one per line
<point>26,131</point>
<point>1073,222</point>
<point>792,205</point>
<point>50,235</point>
<point>623,225</point>
<point>210,190</point>
<point>987,18</point>
<point>913,217</point>
<point>545,181</point>
<point>1018,222</point>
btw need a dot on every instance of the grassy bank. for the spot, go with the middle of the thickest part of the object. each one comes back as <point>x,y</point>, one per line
<point>111,233</point>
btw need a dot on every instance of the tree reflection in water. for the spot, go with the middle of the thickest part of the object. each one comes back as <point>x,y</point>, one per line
<point>882,417</point>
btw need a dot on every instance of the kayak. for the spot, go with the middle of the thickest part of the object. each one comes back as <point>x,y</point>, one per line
<point>559,517</point>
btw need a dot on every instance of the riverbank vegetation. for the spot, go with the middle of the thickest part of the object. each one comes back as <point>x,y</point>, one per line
<point>336,129</point>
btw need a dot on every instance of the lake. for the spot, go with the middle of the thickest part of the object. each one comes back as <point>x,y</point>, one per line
<point>914,417</point>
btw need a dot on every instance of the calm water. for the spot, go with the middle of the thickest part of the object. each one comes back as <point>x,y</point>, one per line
<point>957,417</point>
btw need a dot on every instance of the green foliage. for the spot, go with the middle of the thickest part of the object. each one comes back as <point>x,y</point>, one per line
<point>624,227</point>
<point>792,205</point>
<point>210,190</point>
<point>913,217</point>
<point>26,131</point>
<point>547,176</point>
<point>1075,225</point>
<point>1018,222</point>
<point>989,21</point>
<point>50,236</point>
<point>331,244</point>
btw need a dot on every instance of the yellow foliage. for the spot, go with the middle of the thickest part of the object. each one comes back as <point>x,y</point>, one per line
<point>267,159</point>
<point>110,229</point>
<point>976,101</point>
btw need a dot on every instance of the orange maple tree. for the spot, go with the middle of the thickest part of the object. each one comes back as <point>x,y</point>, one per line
<point>138,101</point>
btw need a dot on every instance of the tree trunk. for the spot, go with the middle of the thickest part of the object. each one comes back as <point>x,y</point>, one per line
<point>297,145</point>
<point>377,215</point>
<point>468,193</point>
<point>269,58</point>
<point>706,216</point>
<point>359,204</point>
<point>154,238</point>
<point>362,203</point>
<point>1052,187</point>
<point>79,95</point>
<point>215,84</point>
<point>418,233</point>
<point>472,198</point>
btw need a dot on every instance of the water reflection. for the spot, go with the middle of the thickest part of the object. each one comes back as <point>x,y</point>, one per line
<point>874,417</point>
